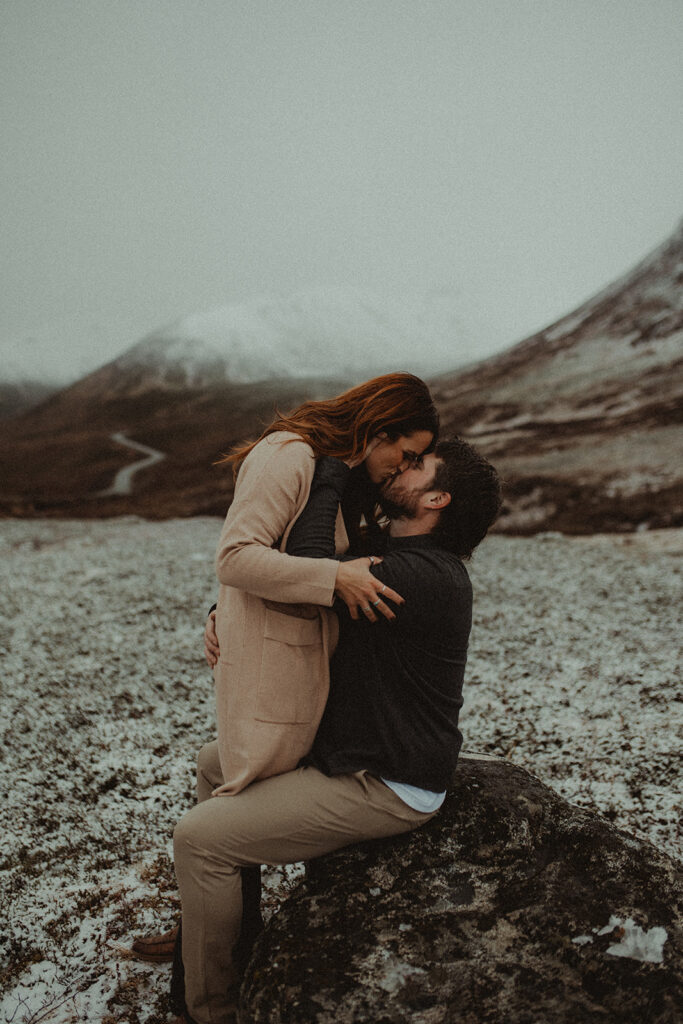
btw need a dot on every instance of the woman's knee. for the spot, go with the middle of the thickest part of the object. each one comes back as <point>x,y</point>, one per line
<point>185,836</point>
<point>196,841</point>
<point>209,763</point>
<point>209,775</point>
<point>203,842</point>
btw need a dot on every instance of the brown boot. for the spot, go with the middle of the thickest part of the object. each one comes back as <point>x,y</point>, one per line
<point>155,949</point>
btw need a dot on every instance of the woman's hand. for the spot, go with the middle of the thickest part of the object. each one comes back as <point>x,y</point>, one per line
<point>360,590</point>
<point>211,648</point>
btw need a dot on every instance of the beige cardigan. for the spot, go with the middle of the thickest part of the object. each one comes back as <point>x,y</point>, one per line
<point>272,678</point>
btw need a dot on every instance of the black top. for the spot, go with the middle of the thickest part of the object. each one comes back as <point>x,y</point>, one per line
<point>396,687</point>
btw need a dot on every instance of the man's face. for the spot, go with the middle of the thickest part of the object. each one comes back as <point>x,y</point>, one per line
<point>400,496</point>
<point>391,457</point>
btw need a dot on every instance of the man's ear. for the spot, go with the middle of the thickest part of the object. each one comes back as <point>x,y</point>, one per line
<point>437,500</point>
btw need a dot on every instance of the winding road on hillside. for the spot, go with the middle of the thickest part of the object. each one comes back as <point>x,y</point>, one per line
<point>123,481</point>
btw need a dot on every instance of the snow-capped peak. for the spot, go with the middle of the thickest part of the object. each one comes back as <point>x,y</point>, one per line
<point>322,332</point>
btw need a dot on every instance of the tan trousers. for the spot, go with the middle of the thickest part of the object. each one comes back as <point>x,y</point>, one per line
<point>280,820</point>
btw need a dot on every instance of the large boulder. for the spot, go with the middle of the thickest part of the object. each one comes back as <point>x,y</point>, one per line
<point>511,905</point>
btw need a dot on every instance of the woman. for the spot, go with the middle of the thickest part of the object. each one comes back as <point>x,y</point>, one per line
<point>273,624</point>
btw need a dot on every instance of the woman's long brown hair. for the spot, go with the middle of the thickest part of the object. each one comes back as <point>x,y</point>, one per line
<point>396,404</point>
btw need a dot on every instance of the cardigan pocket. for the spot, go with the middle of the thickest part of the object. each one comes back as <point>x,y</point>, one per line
<point>292,669</point>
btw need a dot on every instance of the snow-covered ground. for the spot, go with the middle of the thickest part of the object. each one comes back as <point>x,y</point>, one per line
<point>106,698</point>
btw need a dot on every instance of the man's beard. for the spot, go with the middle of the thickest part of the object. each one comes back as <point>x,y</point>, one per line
<point>401,506</point>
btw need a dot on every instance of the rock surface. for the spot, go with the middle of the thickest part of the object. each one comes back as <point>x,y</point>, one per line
<point>511,905</point>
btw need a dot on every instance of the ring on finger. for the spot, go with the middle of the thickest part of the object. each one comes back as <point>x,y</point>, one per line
<point>365,607</point>
<point>375,603</point>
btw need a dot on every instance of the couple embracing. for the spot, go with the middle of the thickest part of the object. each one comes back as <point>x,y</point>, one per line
<point>338,644</point>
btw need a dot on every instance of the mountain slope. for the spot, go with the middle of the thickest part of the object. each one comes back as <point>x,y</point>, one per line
<point>333,332</point>
<point>57,460</point>
<point>322,332</point>
<point>194,389</point>
<point>584,418</point>
<point>18,396</point>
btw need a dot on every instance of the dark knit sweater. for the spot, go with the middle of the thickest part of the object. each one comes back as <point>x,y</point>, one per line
<point>396,687</point>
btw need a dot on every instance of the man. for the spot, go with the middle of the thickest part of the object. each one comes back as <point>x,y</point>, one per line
<point>388,742</point>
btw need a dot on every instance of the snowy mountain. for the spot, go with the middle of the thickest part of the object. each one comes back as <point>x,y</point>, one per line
<point>331,332</point>
<point>199,386</point>
<point>585,416</point>
<point>341,332</point>
<point>583,419</point>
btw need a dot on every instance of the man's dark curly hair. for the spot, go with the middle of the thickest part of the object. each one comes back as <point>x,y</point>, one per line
<point>475,490</point>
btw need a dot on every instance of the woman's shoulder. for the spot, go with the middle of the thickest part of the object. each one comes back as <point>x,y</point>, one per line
<point>285,446</point>
<point>285,436</point>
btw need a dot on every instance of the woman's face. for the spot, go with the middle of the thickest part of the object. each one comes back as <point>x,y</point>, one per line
<point>389,458</point>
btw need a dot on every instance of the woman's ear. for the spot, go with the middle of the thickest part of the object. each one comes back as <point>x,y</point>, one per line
<point>372,444</point>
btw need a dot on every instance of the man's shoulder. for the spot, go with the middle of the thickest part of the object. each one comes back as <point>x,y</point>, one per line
<point>430,570</point>
<point>448,567</point>
<point>433,560</point>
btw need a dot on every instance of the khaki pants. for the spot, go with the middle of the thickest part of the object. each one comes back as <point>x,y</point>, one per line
<point>280,820</point>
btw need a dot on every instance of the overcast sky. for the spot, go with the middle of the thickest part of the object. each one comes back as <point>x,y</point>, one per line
<point>161,157</point>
